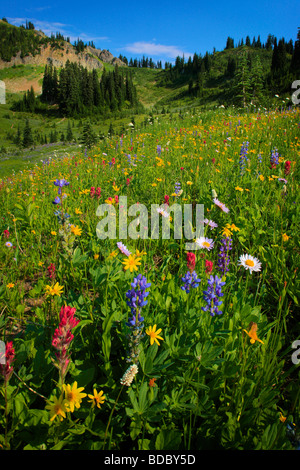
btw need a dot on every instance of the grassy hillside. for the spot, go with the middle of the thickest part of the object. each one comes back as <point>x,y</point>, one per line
<point>159,91</point>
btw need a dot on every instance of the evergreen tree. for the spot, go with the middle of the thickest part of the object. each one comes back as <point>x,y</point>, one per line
<point>27,135</point>
<point>257,82</point>
<point>88,138</point>
<point>18,138</point>
<point>229,43</point>
<point>30,100</point>
<point>242,84</point>
<point>295,63</point>
<point>231,66</point>
<point>69,133</point>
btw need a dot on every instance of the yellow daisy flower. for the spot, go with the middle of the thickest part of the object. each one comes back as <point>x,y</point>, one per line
<point>140,253</point>
<point>76,230</point>
<point>131,263</point>
<point>97,399</point>
<point>10,285</point>
<point>154,335</point>
<point>54,290</point>
<point>226,232</point>
<point>57,408</point>
<point>73,396</point>
<point>113,254</point>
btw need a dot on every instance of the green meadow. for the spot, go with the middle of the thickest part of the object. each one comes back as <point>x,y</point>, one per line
<point>139,343</point>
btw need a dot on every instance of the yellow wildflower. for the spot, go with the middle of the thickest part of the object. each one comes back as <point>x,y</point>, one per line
<point>131,263</point>
<point>54,290</point>
<point>154,335</point>
<point>285,237</point>
<point>73,396</point>
<point>252,333</point>
<point>57,408</point>
<point>140,253</point>
<point>76,230</point>
<point>282,418</point>
<point>226,232</point>
<point>97,399</point>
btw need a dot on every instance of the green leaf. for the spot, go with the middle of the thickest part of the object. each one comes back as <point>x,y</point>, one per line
<point>168,440</point>
<point>78,258</point>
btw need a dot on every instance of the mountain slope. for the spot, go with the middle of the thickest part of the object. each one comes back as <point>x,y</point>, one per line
<point>19,46</point>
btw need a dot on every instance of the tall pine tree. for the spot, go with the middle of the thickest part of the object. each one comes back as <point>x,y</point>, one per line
<point>242,83</point>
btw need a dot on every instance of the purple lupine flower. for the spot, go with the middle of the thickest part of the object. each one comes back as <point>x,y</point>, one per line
<point>212,295</point>
<point>136,300</point>
<point>56,200</point>
<point>243,156</point>
<point>177,187</point>
<point>274,160</point>
<point>137,295</point>
<point>61,183</point>
<point>223,256</point>
<point>190,280</point>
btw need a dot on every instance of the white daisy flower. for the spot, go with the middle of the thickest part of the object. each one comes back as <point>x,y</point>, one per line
<point>163,212</point>
<point>249,262</point>
<point>123,249</point>
<point>220,205</point>
<point>204,242</point>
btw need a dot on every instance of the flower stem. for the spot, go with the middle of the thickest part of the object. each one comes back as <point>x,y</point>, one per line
<point>110,417</point>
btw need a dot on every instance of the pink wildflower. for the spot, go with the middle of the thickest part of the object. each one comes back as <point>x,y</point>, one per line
<point>208,266</point>
<point>191,261</point>
<point>51,271</point>
<point>6,369</point>
<point>63,337</point>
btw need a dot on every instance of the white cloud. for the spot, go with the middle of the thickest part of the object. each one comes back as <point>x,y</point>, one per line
<point>49,27</point>
<point>153,49</point>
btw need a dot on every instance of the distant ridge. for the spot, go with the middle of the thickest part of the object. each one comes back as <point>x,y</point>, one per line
<point>57,52</point>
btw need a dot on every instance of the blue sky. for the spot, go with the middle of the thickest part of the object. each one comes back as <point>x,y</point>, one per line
<point>158,29</point>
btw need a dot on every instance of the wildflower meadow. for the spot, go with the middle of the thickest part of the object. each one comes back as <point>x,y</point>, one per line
<point>136,343</point>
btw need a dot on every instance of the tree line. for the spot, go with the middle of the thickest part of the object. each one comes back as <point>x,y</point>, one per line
<point>252,71</point>
<point>79,92</point>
